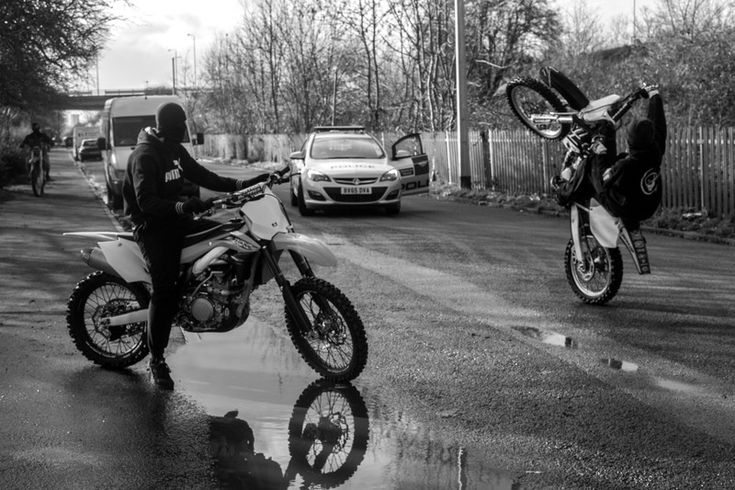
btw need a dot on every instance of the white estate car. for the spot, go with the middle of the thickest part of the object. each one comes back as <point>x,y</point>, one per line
<point>339,166</point>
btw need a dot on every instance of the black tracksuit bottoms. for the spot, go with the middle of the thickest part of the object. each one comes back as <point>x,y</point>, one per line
<point>161,244</point>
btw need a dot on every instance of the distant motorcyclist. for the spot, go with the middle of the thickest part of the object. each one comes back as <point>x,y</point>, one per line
<point>153,183</point>
<point>40,139</point>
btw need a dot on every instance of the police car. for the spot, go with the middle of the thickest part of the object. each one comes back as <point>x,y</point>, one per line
<point>343,166</point>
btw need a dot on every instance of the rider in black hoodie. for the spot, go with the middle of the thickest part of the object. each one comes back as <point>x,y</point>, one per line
<point>629,185</point>
<point>151,189</point>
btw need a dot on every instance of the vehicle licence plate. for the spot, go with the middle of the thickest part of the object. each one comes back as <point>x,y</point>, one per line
<point>356,190</point>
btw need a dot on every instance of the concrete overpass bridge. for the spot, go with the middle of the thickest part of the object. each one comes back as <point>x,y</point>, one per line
<point>91,101</point>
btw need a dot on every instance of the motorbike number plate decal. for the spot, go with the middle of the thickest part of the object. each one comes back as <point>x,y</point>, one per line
<point>356,190</point>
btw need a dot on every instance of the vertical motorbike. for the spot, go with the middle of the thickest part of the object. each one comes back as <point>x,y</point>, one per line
<point>592,260</point>
<point>220,268</point>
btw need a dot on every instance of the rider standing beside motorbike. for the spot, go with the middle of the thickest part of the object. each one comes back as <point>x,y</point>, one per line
<point>37,138</point>
<point>151,189</point>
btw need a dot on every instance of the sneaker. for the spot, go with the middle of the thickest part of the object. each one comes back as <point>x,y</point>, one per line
<point>161,374</point>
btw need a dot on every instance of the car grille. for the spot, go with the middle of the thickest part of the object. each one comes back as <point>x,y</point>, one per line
<point>334,193</point>
<point>360,180</point>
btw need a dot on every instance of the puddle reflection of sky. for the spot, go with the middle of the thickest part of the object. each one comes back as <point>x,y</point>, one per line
<point>257,371</point>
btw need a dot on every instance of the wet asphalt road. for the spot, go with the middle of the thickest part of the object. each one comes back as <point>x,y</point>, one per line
<point>484,370</point>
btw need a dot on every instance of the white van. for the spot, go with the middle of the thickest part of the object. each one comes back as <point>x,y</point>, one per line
<point>122,120</point>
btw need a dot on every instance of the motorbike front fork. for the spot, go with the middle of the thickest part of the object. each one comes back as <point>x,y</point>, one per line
<point>292,303</point>
<point>634,241</point>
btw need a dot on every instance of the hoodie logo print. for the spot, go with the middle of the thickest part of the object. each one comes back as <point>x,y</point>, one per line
<point>649,182</point>
<point>174,174</point>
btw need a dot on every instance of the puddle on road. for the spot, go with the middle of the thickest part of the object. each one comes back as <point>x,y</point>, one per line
<point>548,337</point>
<point>287,424</point>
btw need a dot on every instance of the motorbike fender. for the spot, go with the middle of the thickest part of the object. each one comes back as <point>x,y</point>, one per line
<point>604,226</point>
<point>126,259</point>
<point>315,250</point>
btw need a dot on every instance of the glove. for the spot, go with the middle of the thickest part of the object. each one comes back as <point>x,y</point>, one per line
<point>649,91</point>
<point>598,145</point>
<point>195,205</point>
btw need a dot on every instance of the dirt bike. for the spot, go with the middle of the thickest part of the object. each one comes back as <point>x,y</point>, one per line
<point>220,267</point>
<point>36,174</point>
<point>592,260</point>
<point>327,439</point>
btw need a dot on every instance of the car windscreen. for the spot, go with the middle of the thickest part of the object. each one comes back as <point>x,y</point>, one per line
<point>125,129</point>
<point>89,143</point>
<point>345,147</point>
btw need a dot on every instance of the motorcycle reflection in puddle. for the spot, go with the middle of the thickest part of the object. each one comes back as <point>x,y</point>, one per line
<point>327,439</point>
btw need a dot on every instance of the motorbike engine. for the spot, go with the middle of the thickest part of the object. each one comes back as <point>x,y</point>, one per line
<point>216,303</point>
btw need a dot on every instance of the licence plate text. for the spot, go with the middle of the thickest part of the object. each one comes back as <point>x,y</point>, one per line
<point>356,190</point>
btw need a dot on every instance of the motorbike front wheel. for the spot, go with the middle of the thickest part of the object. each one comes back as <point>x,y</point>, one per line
<point>38,180</point>
<point>596,279</point>
<point>531,100</point>
<point>101,295</point>
<point>334,344</point>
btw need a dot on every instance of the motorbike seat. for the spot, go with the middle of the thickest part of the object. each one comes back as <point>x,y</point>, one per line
<point>597,110</point>
<point>213,231</point>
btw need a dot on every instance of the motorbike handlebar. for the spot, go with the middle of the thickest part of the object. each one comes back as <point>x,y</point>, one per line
<point>255,191</point>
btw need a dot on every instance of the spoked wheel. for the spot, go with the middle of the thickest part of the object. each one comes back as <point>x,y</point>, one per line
<point>596,279</point>
<point>99,296</point>
<point>327,434</point>
<point>535,104</point>
<point>38,180</point>
<point>334,344</point>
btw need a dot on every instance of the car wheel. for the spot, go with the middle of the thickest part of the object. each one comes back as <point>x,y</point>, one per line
<point>294,199</point>
<point>303,210</point>
<point>393,209</point>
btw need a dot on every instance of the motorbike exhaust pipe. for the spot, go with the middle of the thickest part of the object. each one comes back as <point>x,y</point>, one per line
<point>94,258</point>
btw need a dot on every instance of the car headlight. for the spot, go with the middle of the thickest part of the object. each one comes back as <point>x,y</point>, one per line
<point>390,175</point>
<point>316,176</point>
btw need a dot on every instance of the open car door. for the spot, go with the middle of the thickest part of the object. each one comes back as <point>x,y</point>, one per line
<point>407,155</point>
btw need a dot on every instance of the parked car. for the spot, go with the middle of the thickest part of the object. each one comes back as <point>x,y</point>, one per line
<point>68,141</point>
<point>89,150</point>
<point>342,166</point>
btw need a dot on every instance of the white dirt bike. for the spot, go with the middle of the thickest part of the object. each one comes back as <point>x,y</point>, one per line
<point>108,310</point>
<point>592,260</point>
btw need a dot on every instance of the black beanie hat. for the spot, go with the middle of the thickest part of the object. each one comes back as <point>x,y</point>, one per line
<point>170,115</point>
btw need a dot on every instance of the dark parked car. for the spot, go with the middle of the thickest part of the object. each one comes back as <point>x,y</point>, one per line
<point>89,150</point>
<point>68,141</point>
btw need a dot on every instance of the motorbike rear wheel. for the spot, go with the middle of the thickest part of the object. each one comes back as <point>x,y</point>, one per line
<point>334,345</point>
<point>38,180</point>
<point>327,434</point>
<point>101,295</point>
<point>529,97</point>
<point>596,279</point>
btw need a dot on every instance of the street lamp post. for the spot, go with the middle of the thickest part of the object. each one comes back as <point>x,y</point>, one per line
<point>194,40</point>
<point>173,72</point>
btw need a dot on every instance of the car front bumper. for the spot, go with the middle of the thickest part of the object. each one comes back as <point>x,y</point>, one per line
<point>334,195</point>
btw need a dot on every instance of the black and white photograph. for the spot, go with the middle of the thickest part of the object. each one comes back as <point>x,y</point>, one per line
<point>367,244</point>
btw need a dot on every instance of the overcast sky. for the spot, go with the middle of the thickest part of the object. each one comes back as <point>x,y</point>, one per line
<point>138,47</point>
